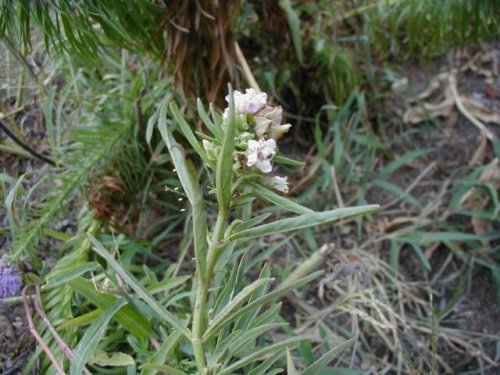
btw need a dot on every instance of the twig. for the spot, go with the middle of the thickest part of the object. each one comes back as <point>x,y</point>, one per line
<point>20,143</point>
<point>460,105</point>
<point>68,352</point>
<point>38,338</point>
<point>246,69</point>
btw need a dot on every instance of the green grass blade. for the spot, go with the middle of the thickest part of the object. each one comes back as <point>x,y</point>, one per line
<point>90,340</point>
<point>397,191</point>
<point>294,24</point>
<point>401,161</point>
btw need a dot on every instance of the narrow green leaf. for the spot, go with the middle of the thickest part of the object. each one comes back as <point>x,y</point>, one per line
<point>221,318</point>
<point>49,123</point>
<point>81,320</point>
<point>278,200</point>
<point>263,368</point>
<point>284,160</point>
<point>429,237</point>
<point>225,160</point>
<point>164,369</point>
<point>290,366</point>
<point>248,336</point>
<point>131,319</point>
<point>188,132</point>
<point>64,275</point>
<point>162,354</point>
<point>269,315</point>
<point>326,358</point>
<point>187,176</point>
<point>397,191</point>
<point>253,221</point>
<point>9,205</point>
<point>294,24</point>
<point>214,128</point>
<point>90,340</point>
<point>167,284</point>
<point>115,359</point>
<point>130,280</point>
<point>421,255</point>
<point>262,300</point>
<point>151,125</point>
<point>302,221</point>
<point>268,350</point>
<point>401,161</point>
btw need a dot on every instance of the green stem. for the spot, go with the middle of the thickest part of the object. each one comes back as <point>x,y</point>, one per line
<point>213,249</point>
<point>202,293</point>
<point>198,320</point>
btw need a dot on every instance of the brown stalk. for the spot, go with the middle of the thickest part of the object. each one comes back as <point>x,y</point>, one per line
<point>37,337</point>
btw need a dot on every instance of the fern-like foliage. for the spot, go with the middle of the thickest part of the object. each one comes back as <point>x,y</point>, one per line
<point>58,300</point>
<point>96,118</point>
<point>84,27</point>
<point>93,148</point>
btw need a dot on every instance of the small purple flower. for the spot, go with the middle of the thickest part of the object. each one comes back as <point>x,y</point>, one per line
<point>10,280</point>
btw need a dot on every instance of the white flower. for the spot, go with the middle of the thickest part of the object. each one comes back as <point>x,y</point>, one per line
<point>250,102</point>
<point>277,183</point>
<point>268,122</point>
<point>260,153</point>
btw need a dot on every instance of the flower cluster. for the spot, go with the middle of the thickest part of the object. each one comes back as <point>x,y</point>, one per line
<point>10,280</point>
<point>259,126</point>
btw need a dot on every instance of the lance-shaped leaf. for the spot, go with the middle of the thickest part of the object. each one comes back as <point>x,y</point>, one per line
<point>257,303</point>
<point>278,200</point>
<point>131,319</point>
<point>189,181</point>
<point>214,128</point>
<point>90,340</point>
<point>71,272</point>
<point>284,160</point>
<point>160,356</point>
<point>233,305</point>
<point>131,281</point>
<point>326,358</point>
<point>264,352</point>
<point>188,133</point>
<point>302,221</point>
<point>225,160</point>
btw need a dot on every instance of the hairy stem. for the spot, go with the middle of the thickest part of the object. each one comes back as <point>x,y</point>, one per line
<point>202,292</point>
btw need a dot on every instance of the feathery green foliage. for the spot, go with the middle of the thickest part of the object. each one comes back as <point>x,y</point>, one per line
<point>102,125</point>
<point>84,27</point>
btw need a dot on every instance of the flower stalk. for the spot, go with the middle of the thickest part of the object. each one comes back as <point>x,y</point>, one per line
<point>241,153</point>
